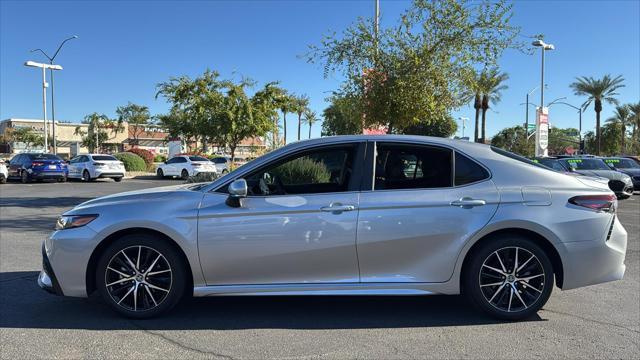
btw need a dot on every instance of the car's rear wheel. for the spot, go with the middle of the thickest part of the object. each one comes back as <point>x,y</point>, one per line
<point>86,176</point>
<point>160,174</point>
<point>185,174</point>
<point>24,177</point>
<point>3,180</point>
<point>141,276</point>
<point>509,277</point>
<point>117,179</point>
<point>62,179</point>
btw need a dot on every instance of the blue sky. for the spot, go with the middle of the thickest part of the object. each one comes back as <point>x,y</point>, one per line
<point>126,48</point>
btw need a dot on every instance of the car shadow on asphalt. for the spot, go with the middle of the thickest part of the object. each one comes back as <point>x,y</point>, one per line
<point>24,305</point>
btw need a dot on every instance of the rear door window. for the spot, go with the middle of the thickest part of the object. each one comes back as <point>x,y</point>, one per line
<point>405,166</point>
<point>468,171</point>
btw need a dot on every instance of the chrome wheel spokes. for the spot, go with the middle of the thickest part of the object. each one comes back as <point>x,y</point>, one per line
<point>511,279</point>
<point>138,278</point>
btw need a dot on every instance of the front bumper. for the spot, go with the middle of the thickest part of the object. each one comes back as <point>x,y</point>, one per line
<point>47,278</point>
<point>593,262</point>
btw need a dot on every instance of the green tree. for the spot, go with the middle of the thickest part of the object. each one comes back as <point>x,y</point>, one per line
<point>137,116</point>
<point>285,102</point>
<point>445,127</point>
<point>473,91</point>
<point>310,117</point>
<point>415,71</point>
<point>514,139</point>
<point>610,140</point>
<point>27,136</point>
<point>635,132</point>
<point>342,116</point>
<point>300,106</point>
<point>561,139</point>
<point>621,117</point>
<point>99,131</point>
<point>598,91</point>
<point>491,86</point>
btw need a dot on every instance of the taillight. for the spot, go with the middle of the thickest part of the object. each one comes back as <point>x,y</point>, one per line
<point>37,163</point>
<point>98,164</point>
<point>606,203</point>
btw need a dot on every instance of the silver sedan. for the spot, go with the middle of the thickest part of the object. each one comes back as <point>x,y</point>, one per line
<point>350,215</point>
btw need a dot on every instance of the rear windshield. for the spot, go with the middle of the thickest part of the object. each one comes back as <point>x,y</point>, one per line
<point>518,157</point>
<point>585,164</point>
<point>104,158</point>
<point>44,157</point>
<point>198,158</point>
<point>551,163</point>
<point>623,163</point>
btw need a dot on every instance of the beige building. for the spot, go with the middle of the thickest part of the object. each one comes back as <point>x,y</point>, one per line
<point>69,143</point>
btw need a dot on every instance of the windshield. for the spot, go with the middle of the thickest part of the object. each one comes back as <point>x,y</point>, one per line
<point>44,157</point>
<point>198,158</point>
<point>586,164</point>
<point>622,163</point>
<point>104,158</point>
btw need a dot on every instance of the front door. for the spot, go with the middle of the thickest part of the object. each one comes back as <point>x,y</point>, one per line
<point>298,224</point>
<point>420,212</point>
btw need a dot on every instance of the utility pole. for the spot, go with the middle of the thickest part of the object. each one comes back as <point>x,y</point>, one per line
<point>53,109</point>
<point>542,122</point>
<point>464,124</point>
<point>44,94</point>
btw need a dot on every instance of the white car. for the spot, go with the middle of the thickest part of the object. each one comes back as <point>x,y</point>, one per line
<point>222,164</point>
<point>89,167</point>
<point>185,166</point>
<point>4,174</point>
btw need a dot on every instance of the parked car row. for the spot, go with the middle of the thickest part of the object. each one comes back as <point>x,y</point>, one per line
<point>28,167</point>
<point>622,174</point>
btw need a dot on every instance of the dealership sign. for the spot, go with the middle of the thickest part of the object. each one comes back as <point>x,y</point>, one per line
<point>542,131</point>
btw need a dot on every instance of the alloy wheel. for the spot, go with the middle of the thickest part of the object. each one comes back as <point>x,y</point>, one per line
<point>138,278</point>
<point>512,279</point>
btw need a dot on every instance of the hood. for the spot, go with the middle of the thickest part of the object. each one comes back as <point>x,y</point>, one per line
<point>165,193</point>
<point>609,174</point>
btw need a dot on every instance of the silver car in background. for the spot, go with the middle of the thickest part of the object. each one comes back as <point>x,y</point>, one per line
<point>347,215</point>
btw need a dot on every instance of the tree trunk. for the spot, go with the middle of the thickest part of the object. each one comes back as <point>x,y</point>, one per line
<point>310,124</point>
<point>484,125</point>
<point>276,133</point>
<point>476,105</point>
<point>597,133</point>
<point>624,130</point>
<point>233,154</point>
<point>284,121</point>
<point>299,124</point>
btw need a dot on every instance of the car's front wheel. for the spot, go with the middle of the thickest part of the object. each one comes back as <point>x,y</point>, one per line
<point>160,174</point>
<point>509,277</point>
<point>141,276</point>
<point>185,174</point>
<point>24,177</point>
<point>86,176</point>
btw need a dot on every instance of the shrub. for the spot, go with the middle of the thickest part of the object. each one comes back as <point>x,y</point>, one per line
<point>202,177</point>
<point>131,161</point>
<point>302,171</point>
<point>146,155</point>
<point>160,158</point>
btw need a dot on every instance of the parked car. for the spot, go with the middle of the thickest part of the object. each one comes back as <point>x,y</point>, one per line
<point>621,184</point>
<point>552,163</point>
<point>339,216</point>
<point>38,166</point>
<point>185,166</point>
<point>222,164</point>
<point>4,173</point>
<point>627,166</point>
<point>89,167</point>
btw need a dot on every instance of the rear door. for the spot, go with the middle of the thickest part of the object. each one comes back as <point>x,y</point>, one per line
<point>423,204</point>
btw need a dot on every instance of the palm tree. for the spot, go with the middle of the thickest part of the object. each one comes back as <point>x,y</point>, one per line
<point>621,117</point>
<point>310,117</point>
<point>285,104</point>
<point>635,122</point>
<point>491,86</point>
<point>473,92</point>
<point>300,106</point>
<point>597,91</point>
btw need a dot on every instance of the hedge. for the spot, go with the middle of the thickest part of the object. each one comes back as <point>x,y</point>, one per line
<point>146,155</point>
<point>302,171</point>
<point>160,158</point>
<point>132,162</point>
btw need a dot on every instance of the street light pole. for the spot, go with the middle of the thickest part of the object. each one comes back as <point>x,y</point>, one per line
<point>542,124</point>
<point>526,118</point>
<point>53,111</point>
<point>44,93</point>
<point>579,120</point>
<point>464,125</point>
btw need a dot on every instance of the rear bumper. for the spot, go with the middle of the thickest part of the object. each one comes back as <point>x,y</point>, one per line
<point>48,175</point>
<point>593,262</point>
<point>109,174</point>
<point>47,279</point>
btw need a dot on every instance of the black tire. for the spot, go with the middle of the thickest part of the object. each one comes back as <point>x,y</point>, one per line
<point>3,180</point>
<point>160,174</point>
<point>117,179</point>
<point>62,179</point>
<point>24,177</point>
<point>86,177</point>
<point>184,174</point>
<point>491,298</point>
<point>162,300</point>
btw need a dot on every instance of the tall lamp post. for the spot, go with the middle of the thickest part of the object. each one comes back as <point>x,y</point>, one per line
<point>526,117</point>
<point>44,67</point>
<point>542,124</point>
<point>579,120</point>
<point>53,109</point>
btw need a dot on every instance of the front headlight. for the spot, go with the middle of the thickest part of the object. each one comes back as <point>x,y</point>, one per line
<point>73,221</point>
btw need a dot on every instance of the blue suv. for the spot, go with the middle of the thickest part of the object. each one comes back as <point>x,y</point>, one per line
<point>30,166</point>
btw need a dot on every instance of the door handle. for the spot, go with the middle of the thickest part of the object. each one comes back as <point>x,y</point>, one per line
<point>467,202</point>
<point>337,208</point>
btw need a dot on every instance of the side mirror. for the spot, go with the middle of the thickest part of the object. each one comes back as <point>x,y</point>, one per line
<point>237,190</point>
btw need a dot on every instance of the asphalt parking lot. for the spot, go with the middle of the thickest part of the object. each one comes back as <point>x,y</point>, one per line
<point>601,321</point>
